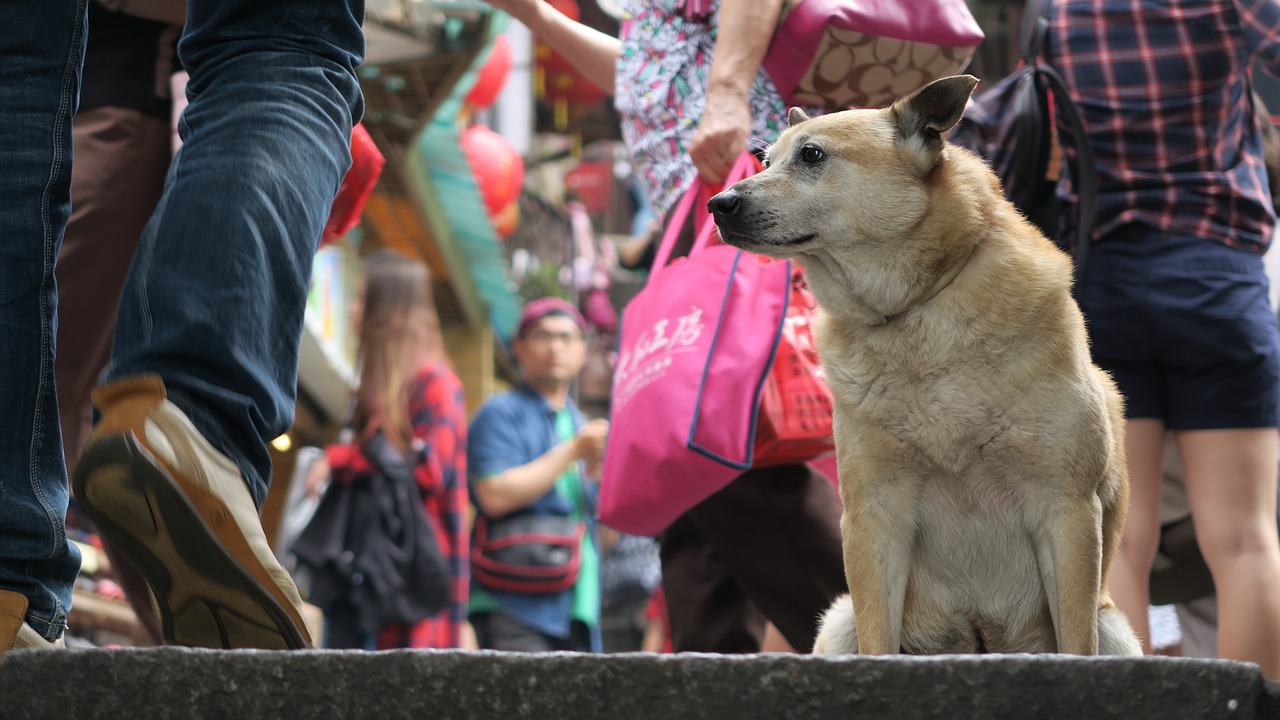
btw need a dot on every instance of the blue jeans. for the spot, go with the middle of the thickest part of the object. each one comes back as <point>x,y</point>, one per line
<point>216,292</point>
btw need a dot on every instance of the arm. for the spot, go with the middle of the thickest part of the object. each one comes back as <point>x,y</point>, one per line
<point>745,30</point>
<point>438,414</point>
<point>520,486</point>
<point>593,53</point>
<point>169,11</point>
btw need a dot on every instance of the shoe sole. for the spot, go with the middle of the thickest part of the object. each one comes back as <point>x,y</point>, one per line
<point>204,594</point>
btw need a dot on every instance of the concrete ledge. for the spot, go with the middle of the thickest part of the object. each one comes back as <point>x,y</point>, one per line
<point>420,685</point>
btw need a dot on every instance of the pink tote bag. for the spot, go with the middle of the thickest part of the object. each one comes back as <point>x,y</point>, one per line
<point>695,346</point>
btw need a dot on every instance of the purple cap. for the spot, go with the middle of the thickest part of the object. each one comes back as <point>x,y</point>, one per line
<point>535,310</point>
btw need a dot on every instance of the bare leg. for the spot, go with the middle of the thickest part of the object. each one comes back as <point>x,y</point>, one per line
<point>1130,571</point>
<point>1231,485</point>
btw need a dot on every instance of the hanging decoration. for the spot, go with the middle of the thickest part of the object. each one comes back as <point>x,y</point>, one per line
<point>507,220</point>
<point>492,75</point>
<point>557,81</point>
<point>497,166</point>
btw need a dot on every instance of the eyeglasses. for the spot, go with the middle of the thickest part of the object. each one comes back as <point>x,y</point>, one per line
<point>543,337</point>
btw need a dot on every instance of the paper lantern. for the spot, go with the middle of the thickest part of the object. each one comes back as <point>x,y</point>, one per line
<point>558,82</point>
<point>496,164</point>
<point>507,220</point>
<point>492,75</point>
<point>357,185</point>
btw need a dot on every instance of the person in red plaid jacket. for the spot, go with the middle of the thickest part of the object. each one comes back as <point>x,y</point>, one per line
<point>1173,289</point>
<point>410,392</point>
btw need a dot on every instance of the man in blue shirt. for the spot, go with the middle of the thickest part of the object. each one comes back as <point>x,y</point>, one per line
<point>530,451</point>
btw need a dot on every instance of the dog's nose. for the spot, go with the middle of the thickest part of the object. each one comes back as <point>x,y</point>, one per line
<point>724,204</point>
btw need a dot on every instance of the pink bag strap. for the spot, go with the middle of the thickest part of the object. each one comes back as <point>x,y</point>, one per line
<point>744,167</point>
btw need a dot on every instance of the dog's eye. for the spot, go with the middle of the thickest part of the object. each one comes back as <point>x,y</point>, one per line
<point>811,154</point>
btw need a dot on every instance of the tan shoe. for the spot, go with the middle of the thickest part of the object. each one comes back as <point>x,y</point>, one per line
<point>15,633</point>
<point>181,512</point>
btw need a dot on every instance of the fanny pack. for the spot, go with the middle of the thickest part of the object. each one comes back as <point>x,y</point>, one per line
<point>527,553</point>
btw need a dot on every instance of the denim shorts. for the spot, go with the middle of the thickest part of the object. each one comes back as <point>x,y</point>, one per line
<point>1185,327</point>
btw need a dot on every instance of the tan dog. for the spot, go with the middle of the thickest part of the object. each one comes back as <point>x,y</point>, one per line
<point>981,452</point>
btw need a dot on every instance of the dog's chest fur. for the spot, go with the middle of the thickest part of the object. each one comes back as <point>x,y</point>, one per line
<point>977,452</point>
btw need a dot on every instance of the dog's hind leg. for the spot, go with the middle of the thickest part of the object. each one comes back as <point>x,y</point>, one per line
<point>1115,635</point>
<point>837,631</point>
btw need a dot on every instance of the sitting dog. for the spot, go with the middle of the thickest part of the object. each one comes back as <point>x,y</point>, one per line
<point>981,452</point>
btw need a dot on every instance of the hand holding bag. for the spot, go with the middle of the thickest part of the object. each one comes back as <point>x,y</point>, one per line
<point>695,348</point>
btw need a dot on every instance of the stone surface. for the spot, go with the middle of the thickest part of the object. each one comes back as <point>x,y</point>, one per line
<point>197,684</point>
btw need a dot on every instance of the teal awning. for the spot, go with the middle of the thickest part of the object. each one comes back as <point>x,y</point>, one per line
<point>445,184</point>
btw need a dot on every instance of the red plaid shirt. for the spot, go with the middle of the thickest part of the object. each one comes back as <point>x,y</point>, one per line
<point>438,413</point>
<point>1164,91</point>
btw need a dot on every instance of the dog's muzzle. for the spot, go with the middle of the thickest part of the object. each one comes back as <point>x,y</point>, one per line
<point>727,210</point>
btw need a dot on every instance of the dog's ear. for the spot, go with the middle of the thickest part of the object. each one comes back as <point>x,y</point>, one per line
<point>797,116</point>
<point>923,116</point>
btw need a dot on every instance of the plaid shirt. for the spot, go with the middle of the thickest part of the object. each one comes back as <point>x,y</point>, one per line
<point>1164,91</point>
<point>438,413</point>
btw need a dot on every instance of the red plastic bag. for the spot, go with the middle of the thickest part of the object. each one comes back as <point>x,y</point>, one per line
<point>357,185</point>
<point>794,424</point>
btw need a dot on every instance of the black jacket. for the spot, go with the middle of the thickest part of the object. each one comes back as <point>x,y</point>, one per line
<point>371,549</point>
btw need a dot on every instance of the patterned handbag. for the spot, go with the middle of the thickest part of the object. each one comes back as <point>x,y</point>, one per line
<point>840,54</point>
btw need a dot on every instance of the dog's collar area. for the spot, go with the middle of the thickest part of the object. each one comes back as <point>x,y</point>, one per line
<point>943,282</point>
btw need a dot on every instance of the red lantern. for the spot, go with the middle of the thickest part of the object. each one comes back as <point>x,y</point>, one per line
<point>496,164</point>
<point>507,220</point>
<point>560,83</point>
<point>492,74</point>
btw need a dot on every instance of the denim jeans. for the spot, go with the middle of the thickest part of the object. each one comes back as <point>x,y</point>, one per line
<point>215,295</point>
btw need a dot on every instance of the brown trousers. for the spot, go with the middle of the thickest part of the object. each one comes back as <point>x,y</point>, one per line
<point>767,546</point>
<point>120,160</point>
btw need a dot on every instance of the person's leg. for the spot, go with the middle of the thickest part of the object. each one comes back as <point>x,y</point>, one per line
<point>1225,409</point>
<point>42,46</point>
<point>204,364</point>
<point>1129,576</point>
<point>777,530</point>
<point>1231,483</point>
<point>707,610</point>
<point>122,155</point>
<point>215,298</point>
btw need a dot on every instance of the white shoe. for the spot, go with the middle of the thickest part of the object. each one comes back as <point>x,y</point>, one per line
<point>15,633</point>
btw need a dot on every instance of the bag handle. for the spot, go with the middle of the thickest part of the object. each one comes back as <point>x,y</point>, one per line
<point>744,167</point>
<point>1035,38</point>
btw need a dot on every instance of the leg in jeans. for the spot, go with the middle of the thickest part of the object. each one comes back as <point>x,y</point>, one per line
<point>40,54</point>
<point>215,298</point>
<point>204,365</point>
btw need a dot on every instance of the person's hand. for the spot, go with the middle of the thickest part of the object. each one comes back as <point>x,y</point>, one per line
<point>588,444</point>
<point>721,136</point>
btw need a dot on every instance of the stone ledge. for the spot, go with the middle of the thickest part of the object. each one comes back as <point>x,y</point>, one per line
<point>417,685</point>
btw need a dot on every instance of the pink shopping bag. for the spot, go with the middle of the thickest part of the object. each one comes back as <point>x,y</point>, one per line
<point>695,347</point>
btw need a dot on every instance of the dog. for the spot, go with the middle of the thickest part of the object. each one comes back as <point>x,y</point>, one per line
<point>980,451</point>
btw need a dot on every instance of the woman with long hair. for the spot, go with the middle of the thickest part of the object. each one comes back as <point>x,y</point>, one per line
<point>409,392</point>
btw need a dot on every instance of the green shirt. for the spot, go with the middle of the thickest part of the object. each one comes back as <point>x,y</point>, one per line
<point>586,591</point>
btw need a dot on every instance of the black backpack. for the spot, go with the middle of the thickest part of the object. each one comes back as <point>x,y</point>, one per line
<point>1012,126</point>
